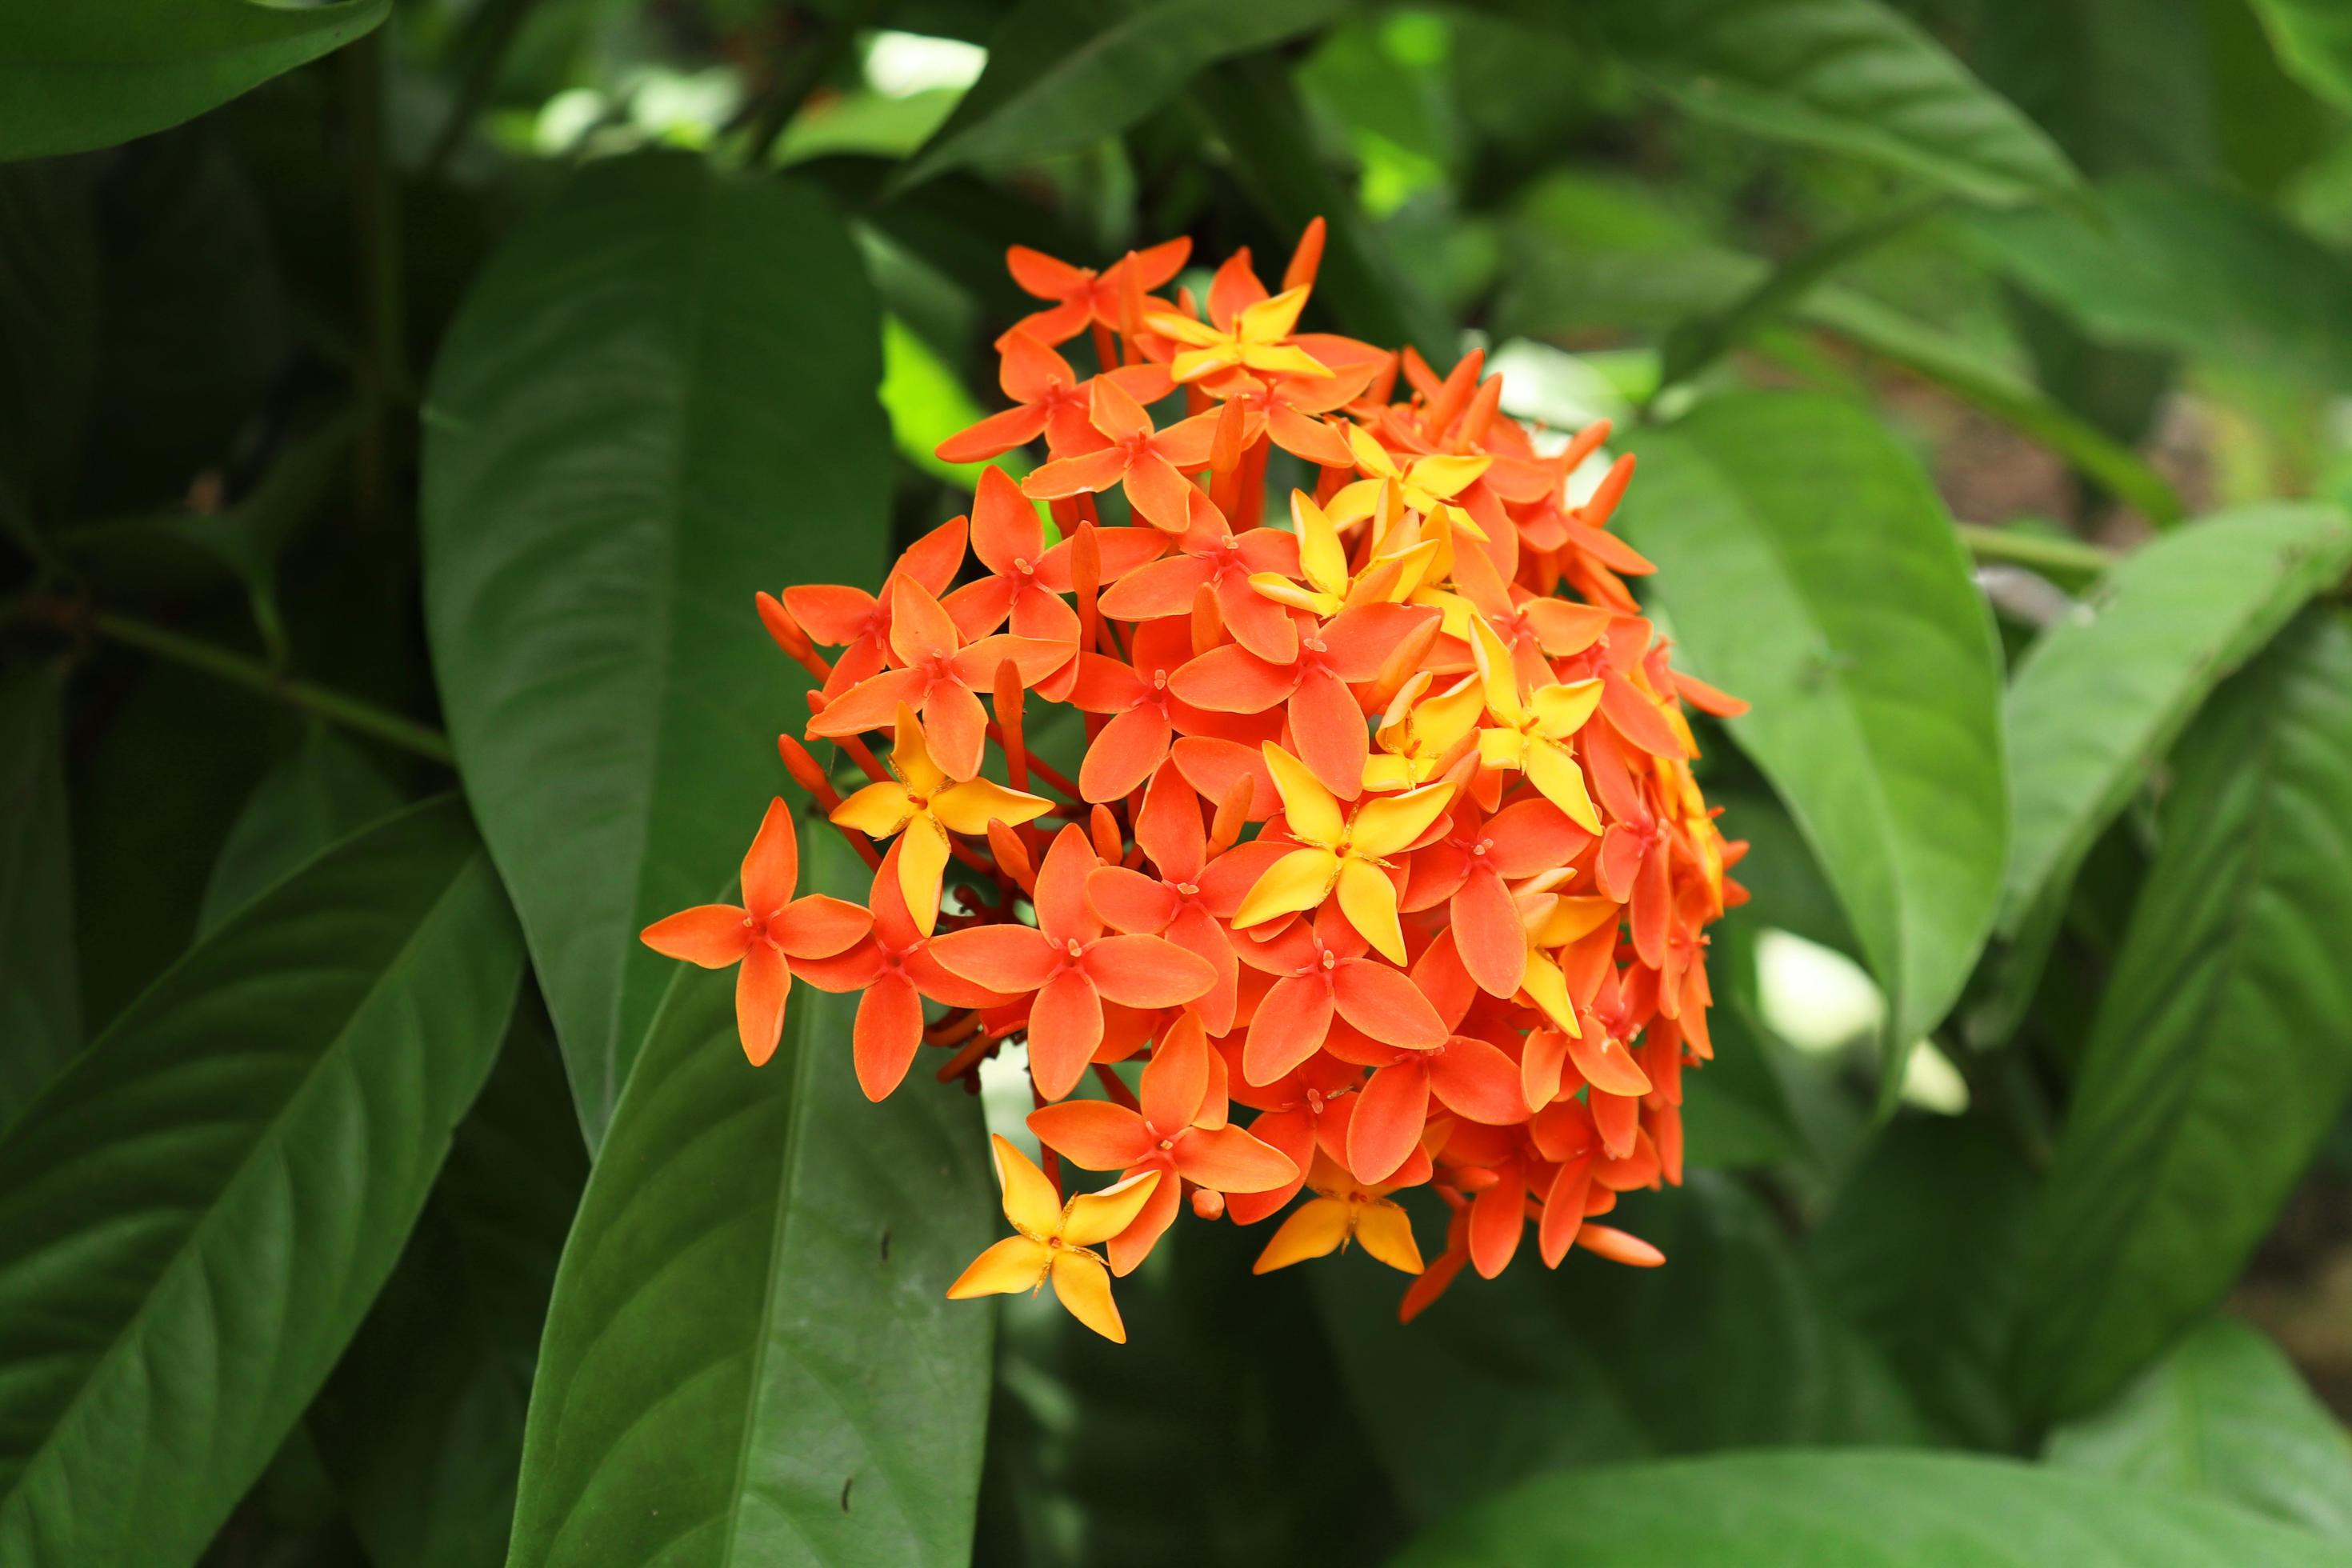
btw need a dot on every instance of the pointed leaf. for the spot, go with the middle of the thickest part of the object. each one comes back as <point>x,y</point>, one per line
<point>326,790</point>
<point>2222,1048</point>
<point>1858,1511</point>
<point>750,1357</point>
<point>625,437</point>
<point>1807,566</point>
<point>194,1218</point>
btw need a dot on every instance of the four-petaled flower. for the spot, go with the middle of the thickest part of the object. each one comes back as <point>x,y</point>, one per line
<point>765,933</point>
<point>922,806</point>
<point>1055,1241</point>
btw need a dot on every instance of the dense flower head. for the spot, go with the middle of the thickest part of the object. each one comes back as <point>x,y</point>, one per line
<point>1384,860</point>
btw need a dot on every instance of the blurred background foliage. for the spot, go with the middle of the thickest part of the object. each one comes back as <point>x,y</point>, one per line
<point>2078,1194</point>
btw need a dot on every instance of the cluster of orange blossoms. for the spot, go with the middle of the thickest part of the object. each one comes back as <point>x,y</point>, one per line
<point>1463,947</point>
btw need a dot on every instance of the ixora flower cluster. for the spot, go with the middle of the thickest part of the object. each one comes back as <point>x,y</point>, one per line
<point>1384,856</point>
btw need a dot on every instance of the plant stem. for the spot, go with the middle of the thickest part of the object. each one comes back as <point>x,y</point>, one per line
<point>505,20</point>
<point>2065,557</point>
<point>226,664</point>
<point>803,71</point>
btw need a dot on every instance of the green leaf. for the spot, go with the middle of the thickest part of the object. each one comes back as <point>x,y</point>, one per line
<point>2101,696</point>
<point>196,1215</point>
<point>750,1357</point>
<point>103,71</point>
<point>2314,40</point>
<point>1857,1511</point>
<point>421,1425</point>
<point>1997,389</point>
<point>1919,1250</point>
<point>40,993</point>
<point>2166,264</point>
<point>1850,76</point>
<point>1808,565</point>
<point>326,789</point>
<point>2222,1049</point>
<point>658,398</point>
<point>1062,73</point>
<point>2225,1415</point>
<point>2123,86</point>
<point>1730,1345</point>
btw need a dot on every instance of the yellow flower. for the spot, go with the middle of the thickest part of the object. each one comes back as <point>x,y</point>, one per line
<point>1532,737</point>
<point>923,807</point>
<point>1344,1210</point>
<point>1055,1242</point>
<point>1254,341</point>
<point>1341,851</point>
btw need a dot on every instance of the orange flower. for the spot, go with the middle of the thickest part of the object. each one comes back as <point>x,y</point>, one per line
<point>763,935</point>
<point>1465,948</point>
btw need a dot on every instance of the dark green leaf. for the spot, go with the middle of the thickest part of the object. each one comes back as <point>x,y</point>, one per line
<point>658,398</point>
<point>1062,73</point>
<point>2166,264</point>
<point>1729,1344</point>
<point>2123,86</point>
<point>421,1425</point>
<point>2314,40</point>
<point>2223,1046</point>
<point>1808,565</point>
<point>2225,1415</point>
<point>40,994</point>
<point>2102,694</point>
<point>325,790</point>
<point>1919,1250</point>
<point>1851,76</point>
<point>750,1357</point>
<point>196,1215</point>
<point>103,71</point>
<point>1857,1511</point>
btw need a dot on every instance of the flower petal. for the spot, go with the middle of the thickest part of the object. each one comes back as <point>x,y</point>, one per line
<point>1229,1160</point>
<point>1089,1219</point>
<point>1148,972</point>
<point>1385,1230</point>
<point>1300,882</point>
<point>711,935</point>
<point>889,1031</point>
<point>760,988</point>
<point>1094,1134</point>
<point>1176,1079</point>
<point>1066,1025</point>
<point>1083,1286</point>
<point>819,926</point>
<point>1129,901</point>
<point>1012,959</point>
<point>1314,1229</point>
<point>1290,1026</point>
<point>1386,1005</point>
<point>1006,1268</point>
<point>1390,1114</point>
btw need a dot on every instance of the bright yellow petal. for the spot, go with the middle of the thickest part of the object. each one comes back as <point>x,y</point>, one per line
<point>1353,502</point>
<point>1570,919</point>
<point>969,807</point>
<point>1319,551</point>
<point>1500,677</point>
<point>1091,1218</point>
<point>1282,359</point>
<point>1561,711</point>
<point>1384,773</point>
<point>1300,882</point>
<point>1314,1229</point>
<point>1367,898</point>
<point>1283,591</point>
<point>877,810</point>
<point>1194,363</point>
<point>1271,320</point>
<point>1551,770</point>
<point>1445,718</point>
<point>1446,478</point>
<point>910,754</point>
<point>1307,805</point>
<point>1083,1286</point>
<point>1385,1230</point>
<point>1385,827</point>
<point>1030,1201</point>
<point>922,862</point>
<point>1011,1265</point>
<point>1549,987</point>
<point>1183,329</point>
<point>1501,748</point>
<point>1415,566</point>
<point>1370,456</point>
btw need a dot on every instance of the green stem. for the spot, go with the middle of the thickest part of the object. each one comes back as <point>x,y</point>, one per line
<point>803,72</point>
<point>337,707</point>
<point>2064,557</point>
<point>504,20</point>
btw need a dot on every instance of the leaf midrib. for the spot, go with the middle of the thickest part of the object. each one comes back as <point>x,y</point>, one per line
<point>269,1137</point>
